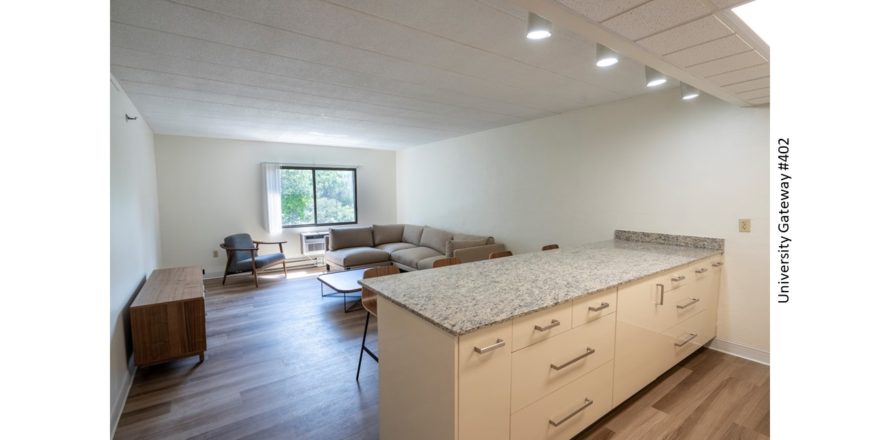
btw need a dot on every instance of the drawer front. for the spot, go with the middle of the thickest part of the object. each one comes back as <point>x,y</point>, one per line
<point>707,281</point>
<point>541,326</point>
<point>593,307</point>
<point>484,383</point>
<point>567,411</point>
<point>687,337</point>
<point>543,368</point>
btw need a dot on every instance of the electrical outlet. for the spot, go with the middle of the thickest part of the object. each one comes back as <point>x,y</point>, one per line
<point>745,225</point>
<point>216,253</point>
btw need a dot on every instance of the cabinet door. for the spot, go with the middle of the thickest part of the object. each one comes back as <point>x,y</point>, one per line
<point>484,383</point>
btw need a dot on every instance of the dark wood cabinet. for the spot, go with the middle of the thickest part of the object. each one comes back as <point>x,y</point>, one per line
<point>168,316</point>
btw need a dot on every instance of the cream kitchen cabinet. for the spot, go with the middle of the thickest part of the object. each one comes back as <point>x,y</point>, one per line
<point>661,320</point>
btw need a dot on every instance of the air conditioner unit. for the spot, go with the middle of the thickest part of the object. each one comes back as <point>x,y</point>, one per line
<point>313,243</point>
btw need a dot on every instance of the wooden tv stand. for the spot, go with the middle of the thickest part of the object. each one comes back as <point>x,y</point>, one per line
<point>168,316</point>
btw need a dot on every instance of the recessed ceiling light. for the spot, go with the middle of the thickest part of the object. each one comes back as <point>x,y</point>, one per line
<point>605,57</point>
<point>689,92</point>
<point>654,78</point>
<point>539,27</point>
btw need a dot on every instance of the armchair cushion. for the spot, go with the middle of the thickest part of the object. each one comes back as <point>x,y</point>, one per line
<point>239,241</point>
<point>341,238</point>
<point>261,261</point>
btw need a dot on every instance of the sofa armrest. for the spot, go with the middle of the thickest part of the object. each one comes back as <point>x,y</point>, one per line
<point>477,253</point>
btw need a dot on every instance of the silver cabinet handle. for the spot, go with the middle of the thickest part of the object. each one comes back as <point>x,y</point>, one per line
<point>717,264</point>
<point>587,403</point>
<point>662,292</point>
<point>559,367</point>
<point>553,323</point>
<point>678,278</point>
<point>690,303</point>
<point>498,344</point>
<point>701,270</point>
<point>690,338</point>
<point>602,306</point>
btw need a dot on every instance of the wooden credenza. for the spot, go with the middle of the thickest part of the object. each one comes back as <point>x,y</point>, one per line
<point>168,316</point>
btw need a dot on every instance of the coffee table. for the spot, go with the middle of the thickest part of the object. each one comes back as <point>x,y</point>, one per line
<point>344,282</point>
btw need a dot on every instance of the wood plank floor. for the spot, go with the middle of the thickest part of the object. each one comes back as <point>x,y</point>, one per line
<point>281,362</point>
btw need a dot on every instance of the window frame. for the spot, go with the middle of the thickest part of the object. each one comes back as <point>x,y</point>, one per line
<point>315,194</point>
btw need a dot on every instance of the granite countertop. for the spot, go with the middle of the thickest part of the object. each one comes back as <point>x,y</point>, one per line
<point>462,298</point>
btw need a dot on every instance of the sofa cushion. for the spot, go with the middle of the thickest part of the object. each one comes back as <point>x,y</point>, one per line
<point>453,245</point>
<point>411,257</point>
<point>435,239</point>
<point>428,263</point>
<point>356,256</point>
<point>341,238</point>
<point>387,234</point>
<point>394,247</point>
<point>468,237</point>
<point>412,234</point>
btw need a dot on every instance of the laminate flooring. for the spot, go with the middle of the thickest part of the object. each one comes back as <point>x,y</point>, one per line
<point>281,362</point>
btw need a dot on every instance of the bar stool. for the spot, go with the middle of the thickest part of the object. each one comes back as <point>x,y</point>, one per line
<point>446,262</point>
<point>550,247</point>
<point>500,254</point>
<point>370,303</point>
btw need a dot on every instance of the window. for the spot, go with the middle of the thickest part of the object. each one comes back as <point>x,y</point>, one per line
<point>318,196</point>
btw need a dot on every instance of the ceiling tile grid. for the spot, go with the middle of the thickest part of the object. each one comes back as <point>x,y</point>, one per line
<point>693,35</point>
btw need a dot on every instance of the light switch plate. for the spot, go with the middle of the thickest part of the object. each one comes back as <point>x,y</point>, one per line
<point>745,225</point>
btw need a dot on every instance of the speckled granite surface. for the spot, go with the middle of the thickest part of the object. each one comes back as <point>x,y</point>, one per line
<point>463,298</point>
<point>674,240</point>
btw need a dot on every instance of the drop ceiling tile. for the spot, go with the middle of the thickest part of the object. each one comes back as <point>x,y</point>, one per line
<point>724,4</point>
<point>746,74</point>
<point>727,64</point>
<point>687,35</point>
<point>711,50</point>
<point>599,10</point>
<point>656,16</point>
<point>746,86</point>
<point>755,94</point>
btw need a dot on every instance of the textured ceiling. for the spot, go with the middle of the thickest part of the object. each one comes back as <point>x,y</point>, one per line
<point>384,73</point>
<point>701,37</point>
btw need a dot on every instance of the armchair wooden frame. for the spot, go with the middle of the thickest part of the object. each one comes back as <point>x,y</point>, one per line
<point>254,251</point>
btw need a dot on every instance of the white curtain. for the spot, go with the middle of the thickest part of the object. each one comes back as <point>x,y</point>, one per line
<point>272,172</point>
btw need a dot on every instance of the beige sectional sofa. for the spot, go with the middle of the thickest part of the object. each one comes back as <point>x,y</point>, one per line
<point>408,247</point>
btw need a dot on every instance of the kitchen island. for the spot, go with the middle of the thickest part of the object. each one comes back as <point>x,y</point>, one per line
<point>529,346</point>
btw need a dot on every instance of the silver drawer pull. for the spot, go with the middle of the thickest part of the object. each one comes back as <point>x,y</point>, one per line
<point>553,323</point>
<point>690,338</point>
<point>690,303</point>
<point>603,306</point>
<point>701,270</point>
<point>662,293</point>
<point>587,403</point>
<point>678,278</point>
<point>559,367</point>
<point>498,344</point>
<point>718,264</point>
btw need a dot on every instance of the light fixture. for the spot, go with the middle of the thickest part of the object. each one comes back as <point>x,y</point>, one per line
<point>539,27</point>
<point>654,78</point>
<point>605,57</point>
<point>689,92</point>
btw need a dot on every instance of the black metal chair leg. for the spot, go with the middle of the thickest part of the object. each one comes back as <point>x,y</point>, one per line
<point>363,345</point>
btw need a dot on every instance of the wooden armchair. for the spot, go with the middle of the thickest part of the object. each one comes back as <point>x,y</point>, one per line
<point>242,256</point>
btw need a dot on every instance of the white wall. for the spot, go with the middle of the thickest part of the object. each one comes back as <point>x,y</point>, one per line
<point>651,163</point>
<point>211,188</point>
<point>134,232</point>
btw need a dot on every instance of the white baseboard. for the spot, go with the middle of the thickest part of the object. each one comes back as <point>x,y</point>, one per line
<point>119,403</point>
<point>743,351</point>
